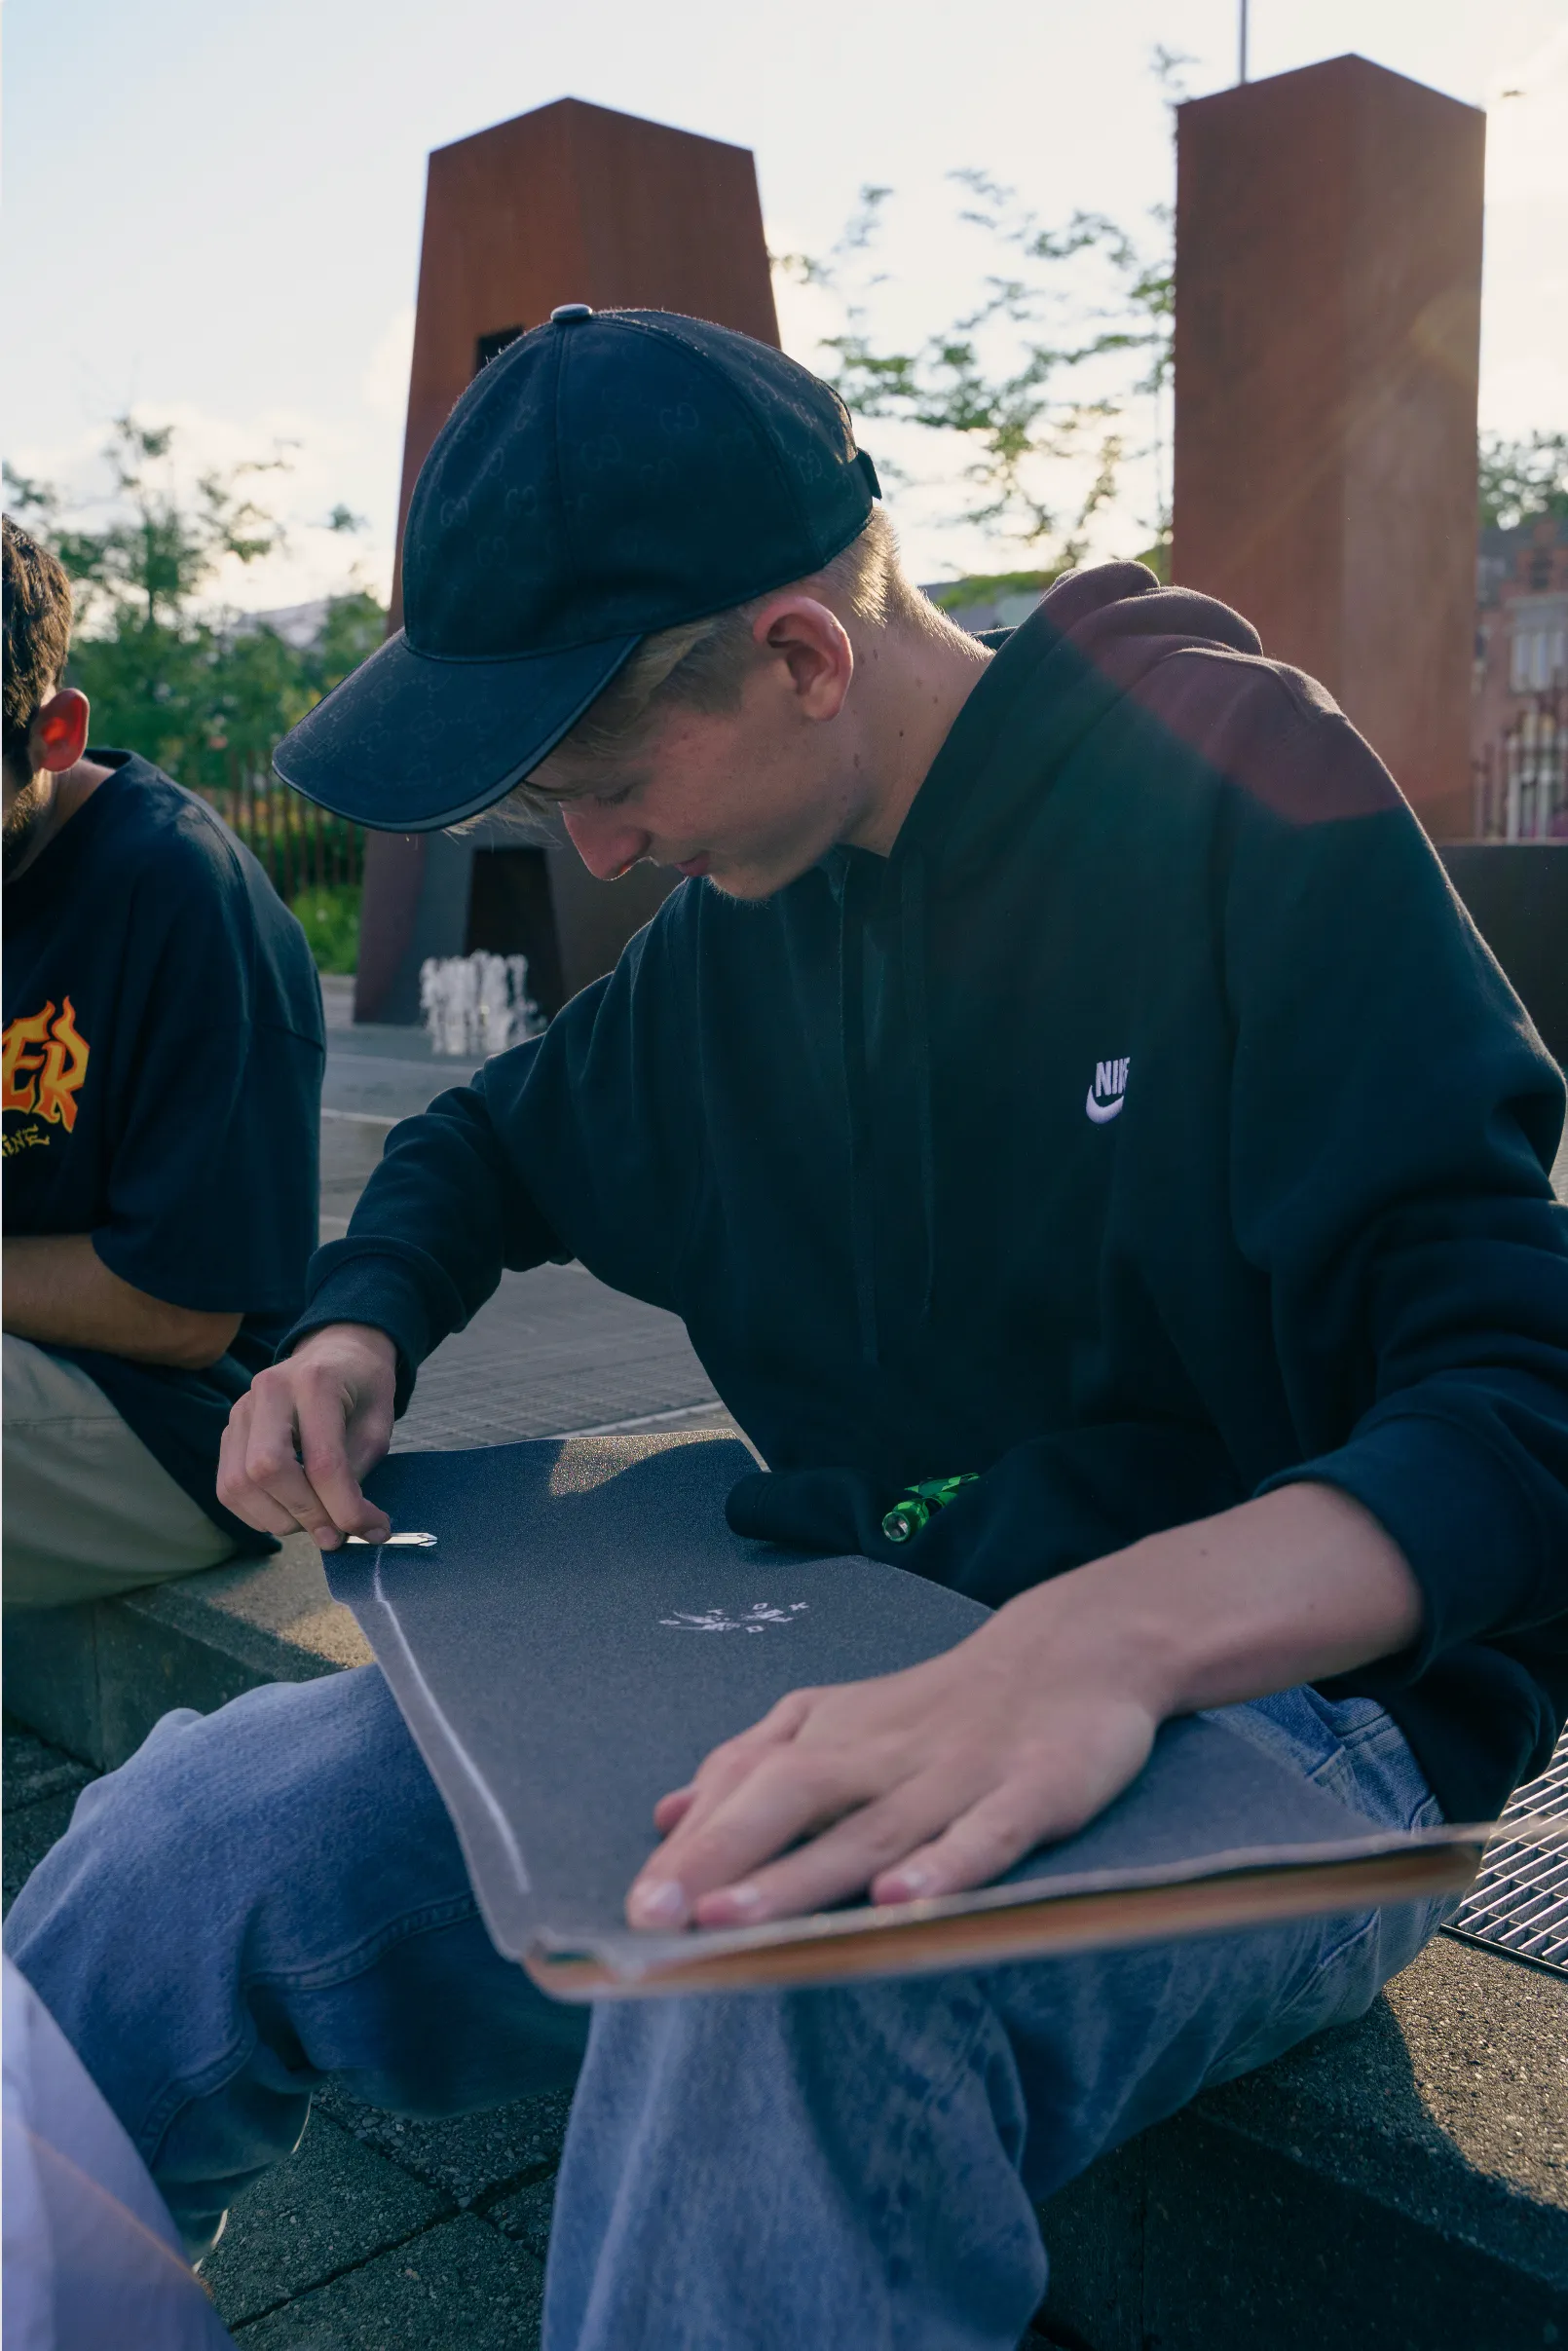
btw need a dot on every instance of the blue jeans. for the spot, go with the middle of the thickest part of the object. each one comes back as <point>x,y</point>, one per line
<point>269,1895</point>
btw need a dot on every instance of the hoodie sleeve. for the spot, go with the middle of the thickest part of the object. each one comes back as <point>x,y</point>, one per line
<point>1393,1118</point>
<point>568,1146</point>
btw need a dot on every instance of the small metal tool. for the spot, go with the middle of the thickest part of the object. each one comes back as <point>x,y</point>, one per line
<point>406,1543</point>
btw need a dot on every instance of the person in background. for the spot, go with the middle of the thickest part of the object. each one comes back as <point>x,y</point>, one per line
<point>159,1086</point>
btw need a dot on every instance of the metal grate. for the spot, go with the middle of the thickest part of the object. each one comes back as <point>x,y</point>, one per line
<point>1519,1901</point>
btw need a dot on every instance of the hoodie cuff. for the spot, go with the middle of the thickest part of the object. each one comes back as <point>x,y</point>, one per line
<point>384,1292</point>
<point>1455,1509</point>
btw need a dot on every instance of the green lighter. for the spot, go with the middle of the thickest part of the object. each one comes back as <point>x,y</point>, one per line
<point>908,1515</point>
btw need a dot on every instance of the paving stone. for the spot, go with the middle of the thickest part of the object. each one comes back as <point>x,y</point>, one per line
<point>553,1350</point>
<point>1399,2183</point>
<point>331,2207</point>
<point>470,2156</point>
<point>526,2216</point>
<point>33,1770</point>
<point>460,2286</point>
<point>1449,2098</point>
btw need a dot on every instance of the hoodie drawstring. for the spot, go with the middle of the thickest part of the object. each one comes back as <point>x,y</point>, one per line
<point>852,1052</point>
<point>857,1092</point>
<point>911,944</point>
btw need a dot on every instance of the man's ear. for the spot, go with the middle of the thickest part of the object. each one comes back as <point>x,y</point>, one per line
<point>813,644</point>
<point>57,735</point>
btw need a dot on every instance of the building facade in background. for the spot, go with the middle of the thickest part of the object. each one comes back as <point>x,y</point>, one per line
<point>1519,708</point>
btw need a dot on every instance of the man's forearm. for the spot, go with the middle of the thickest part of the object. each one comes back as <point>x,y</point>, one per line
<point>1299,1585</point>
<point>58,1291</point>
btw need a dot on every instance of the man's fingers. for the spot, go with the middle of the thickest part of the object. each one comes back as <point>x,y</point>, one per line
<point>269,1467</point>
<point>294,1410</point>
<point>786,1794</point>
<point>843,1860</point>
<point>324,1445</point>
<point>1050,1789</point>
<point>236,1494</point>
<point>725,1767</point>
<point>981,1844</point>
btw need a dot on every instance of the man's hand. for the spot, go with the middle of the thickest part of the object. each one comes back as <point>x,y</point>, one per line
<point>938,1779</point>
<point>919,1784</point>
<point>297,1445</point>
<point>59,1293</point>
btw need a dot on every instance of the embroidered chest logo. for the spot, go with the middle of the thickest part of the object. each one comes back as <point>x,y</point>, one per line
<point>1106,1096</point>
<point>43,1061</point>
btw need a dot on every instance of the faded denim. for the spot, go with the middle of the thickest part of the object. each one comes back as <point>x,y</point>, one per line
<point>272,1895</point>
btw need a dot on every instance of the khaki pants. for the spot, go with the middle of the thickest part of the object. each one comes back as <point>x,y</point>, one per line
<point>87,1512</point>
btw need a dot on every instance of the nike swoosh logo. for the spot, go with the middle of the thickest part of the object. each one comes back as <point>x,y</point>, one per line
<point>1103,1112</point>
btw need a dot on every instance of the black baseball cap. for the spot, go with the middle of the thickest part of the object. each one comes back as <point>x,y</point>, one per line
<point>612,473</point>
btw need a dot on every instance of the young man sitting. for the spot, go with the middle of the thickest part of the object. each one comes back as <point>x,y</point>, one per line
<point>161,1077</point>
<point>1067,1065</point>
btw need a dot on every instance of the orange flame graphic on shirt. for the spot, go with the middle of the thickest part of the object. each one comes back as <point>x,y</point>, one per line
<point>50,1045</point>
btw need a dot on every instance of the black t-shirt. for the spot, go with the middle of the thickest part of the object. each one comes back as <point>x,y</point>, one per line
<point>161,1089</point>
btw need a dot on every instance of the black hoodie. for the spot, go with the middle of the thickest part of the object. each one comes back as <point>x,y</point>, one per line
<point>1150,1129</point>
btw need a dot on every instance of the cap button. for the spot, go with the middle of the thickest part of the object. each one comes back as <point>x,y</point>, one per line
<point>564,311</point>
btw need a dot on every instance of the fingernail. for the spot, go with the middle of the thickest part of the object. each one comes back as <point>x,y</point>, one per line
<point>905,1885</point>
<point>736,1902</point>
<point>658,1902</point>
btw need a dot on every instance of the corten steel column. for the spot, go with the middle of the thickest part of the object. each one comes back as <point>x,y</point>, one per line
<point>1328,330</point>
<point>568,204</point>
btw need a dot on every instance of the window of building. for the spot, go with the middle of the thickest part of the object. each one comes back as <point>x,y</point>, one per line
<point>1539,651</point>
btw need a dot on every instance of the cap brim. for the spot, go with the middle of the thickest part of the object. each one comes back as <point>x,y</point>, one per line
<point>410,742</point>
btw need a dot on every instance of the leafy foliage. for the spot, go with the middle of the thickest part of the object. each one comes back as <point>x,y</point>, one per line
<point>1020,378</point>
<point>1519,479</point>
<point>205,694</point>
<point>1041,378</point>
<point>330,917</point>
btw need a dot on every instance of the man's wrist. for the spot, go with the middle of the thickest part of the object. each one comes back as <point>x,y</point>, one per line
<point>1097,1628</point>
<point>1295,1586</point>
<point>330,1338</point>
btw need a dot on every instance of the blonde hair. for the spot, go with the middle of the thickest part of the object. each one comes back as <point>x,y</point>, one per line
<point>703,664</point>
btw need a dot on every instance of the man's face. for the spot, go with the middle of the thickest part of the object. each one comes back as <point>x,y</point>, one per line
<point>750,797</point>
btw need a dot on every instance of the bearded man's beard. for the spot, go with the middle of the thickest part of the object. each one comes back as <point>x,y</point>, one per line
<point>27,813</point>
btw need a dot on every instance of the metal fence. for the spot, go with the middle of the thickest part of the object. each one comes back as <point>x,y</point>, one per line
<point>299,846</point>
<point>1521,780</point>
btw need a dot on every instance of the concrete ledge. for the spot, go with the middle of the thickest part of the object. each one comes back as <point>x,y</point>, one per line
<point>1401,2183</point>
<point>96,1678</point>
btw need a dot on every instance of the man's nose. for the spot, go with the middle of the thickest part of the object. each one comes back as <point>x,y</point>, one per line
<point>604,840</point>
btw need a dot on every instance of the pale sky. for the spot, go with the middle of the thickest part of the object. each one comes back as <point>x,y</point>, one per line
<point>214,205</point>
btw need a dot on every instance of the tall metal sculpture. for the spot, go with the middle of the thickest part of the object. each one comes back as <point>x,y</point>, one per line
<point>1328,332</point>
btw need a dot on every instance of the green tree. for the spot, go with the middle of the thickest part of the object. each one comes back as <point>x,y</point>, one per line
<point>157,548</point>
<point>1520,480</point>
<point>1037,378</point>
<point>205,695</point>
<point>1041,377</point>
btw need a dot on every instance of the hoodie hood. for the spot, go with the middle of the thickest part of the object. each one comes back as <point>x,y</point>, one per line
<point>1095,637</point>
